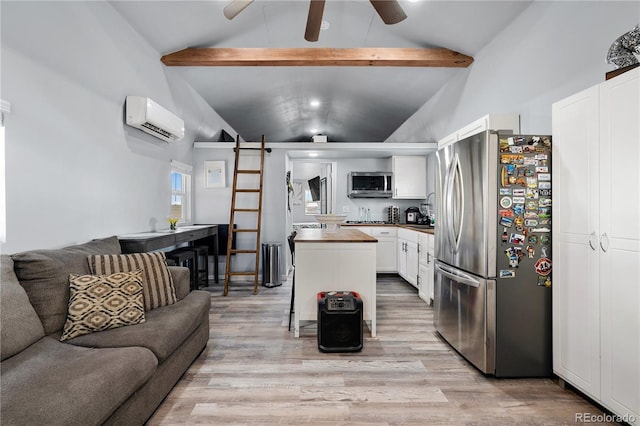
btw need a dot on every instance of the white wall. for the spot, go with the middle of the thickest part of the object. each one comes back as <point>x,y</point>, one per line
<point>212,205</point>
<point>74,170</point>
<point>552,50</point>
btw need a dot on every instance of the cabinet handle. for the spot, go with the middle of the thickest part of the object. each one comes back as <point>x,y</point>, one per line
<point>396,192</point>
<point>428,258</point>
<point>591,237</point>
<point>604,238</point>
<point>384,233</point>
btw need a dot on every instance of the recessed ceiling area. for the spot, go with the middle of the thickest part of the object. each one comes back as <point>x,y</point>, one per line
<point>357,104</point>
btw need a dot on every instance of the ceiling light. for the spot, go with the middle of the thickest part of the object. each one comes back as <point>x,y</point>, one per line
<point>313,154</point>
<point>314,103</point>
<point>314,131</point>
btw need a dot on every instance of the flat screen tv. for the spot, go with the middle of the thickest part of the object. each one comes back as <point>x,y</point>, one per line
<point>314,187</point>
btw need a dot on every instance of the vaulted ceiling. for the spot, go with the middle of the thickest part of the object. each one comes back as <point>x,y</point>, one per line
<point>356,103</point>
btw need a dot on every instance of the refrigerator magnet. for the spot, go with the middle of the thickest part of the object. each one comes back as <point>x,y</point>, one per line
<point>506,213</point>
<point>518,200</point>
<point>506,202</point>
<point>532,193</point>
<point>545,192</point>
<point>506,221</point>
<point>543,266</point>
<point>545,202</point>
<point>531,251</point>
<point>542,169</point>
<point>518,209</point>
<point>528,161</point>
<point>505,191</point>
<point>505,273</point>
<point>544,176</point>
<point>532,182</point>
<point>544,239</point>
<point>515,149</point>
<point>533,239</point>
<point>530,222</point>
<point>518,192</point>
<point>517,239</point>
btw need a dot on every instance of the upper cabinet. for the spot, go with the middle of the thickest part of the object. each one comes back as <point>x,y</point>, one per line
<point>409,177</point>
<point>488,122</point>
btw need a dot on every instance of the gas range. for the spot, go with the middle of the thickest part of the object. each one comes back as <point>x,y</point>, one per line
<point>368,222</point>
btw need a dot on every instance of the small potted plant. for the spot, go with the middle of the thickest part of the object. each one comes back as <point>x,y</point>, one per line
<point>173,223</point>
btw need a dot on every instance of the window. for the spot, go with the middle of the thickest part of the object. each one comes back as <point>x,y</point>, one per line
<point>181,191</point>
<point>310,207</point>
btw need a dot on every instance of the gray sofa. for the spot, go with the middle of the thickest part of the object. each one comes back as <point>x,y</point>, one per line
<point>117,376</point>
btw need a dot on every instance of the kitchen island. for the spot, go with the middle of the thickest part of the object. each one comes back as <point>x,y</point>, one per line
<point>344,260</point>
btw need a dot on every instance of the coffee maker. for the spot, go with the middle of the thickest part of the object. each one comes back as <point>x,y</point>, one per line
<point>412,215</point>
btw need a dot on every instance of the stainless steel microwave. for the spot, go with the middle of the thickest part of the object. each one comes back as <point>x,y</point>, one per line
<point>369,185</point>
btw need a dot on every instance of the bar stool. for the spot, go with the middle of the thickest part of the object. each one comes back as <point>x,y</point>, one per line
<point>292,249</point>
<point>201,254</point>
<point>184,256</point>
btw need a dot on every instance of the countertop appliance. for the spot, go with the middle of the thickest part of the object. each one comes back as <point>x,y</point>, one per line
<point>369,185</point>
<point>493,252</point>
<point>412,215</point>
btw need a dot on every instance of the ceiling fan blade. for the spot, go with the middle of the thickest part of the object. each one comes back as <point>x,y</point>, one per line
<point>235,7</point>
<point>389,10</point>
<point>314,20</point>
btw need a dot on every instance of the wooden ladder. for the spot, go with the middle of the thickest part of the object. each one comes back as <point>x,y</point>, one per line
<point>232,230</point>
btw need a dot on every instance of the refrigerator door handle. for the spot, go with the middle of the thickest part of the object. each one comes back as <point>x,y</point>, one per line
<point>591,237</point>
<point>457,177</point>
<point>448,205</point>
<point>458,276</point>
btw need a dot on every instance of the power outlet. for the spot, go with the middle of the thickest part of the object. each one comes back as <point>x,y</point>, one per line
<point>346,209</point>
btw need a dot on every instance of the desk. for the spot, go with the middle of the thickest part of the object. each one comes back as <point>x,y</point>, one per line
<point>344,260</point>
<point>148,241</point>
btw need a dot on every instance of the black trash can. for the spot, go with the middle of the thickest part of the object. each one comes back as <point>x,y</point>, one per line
<point>339,321</point>
<point>271,276</point>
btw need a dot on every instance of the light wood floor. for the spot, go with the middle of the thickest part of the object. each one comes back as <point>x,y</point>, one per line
<point>254,372</point>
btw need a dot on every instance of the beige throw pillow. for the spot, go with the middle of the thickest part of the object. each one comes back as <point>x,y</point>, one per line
<point>102,302</point>
<point>157,284</point>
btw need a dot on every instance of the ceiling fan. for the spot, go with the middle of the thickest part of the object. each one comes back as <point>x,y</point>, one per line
<point>389,10</point>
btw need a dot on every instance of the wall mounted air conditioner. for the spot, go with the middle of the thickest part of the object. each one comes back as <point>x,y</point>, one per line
<point>146,115</point>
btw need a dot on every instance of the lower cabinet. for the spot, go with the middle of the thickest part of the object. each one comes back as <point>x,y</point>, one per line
<point>425,269</point>
<point>386,252</point>
<point>408,255</point>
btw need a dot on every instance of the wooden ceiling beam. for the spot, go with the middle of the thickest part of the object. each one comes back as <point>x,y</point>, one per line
<point>317,57</point>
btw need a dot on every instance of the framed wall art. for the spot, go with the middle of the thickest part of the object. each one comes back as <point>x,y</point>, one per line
<point>214,174</point>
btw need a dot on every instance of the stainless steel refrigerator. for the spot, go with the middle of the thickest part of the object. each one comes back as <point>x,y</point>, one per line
<point>492,296</point>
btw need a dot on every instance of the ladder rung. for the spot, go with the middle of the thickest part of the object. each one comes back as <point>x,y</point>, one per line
<point>243,251</point>
<point>247,210</point>
<point>242,273</point>
<point>249,172</point>
<point>247,190</point>
<point>245,230</point>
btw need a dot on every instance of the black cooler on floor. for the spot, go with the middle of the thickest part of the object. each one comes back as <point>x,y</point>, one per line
<point>339,321</point>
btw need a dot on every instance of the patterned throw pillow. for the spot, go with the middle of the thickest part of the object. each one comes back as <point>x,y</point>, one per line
<point>157,284</point>
<point>102,302</point>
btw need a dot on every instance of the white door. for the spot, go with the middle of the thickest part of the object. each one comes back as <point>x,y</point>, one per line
<point>619,242</point>
<point>576,293</point>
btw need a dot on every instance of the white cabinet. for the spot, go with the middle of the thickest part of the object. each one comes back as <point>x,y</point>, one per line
<point>386,254</point>
<point>425,268</point>
<point>482,124</point>
<point>409,176</point>
<point>596,243</point>
<point>386,251</point>
<point>408,255</point>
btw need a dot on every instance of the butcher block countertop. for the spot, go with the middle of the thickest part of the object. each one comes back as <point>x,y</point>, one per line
<point>342,235</point>
<point>397,225</point>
